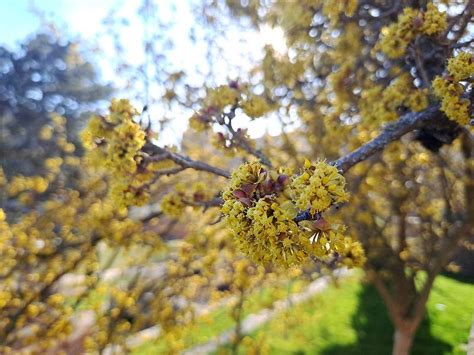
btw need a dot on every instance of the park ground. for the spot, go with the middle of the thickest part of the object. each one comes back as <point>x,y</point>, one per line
<point>346,318</point>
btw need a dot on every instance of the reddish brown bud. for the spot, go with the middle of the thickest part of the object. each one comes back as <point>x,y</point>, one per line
<point>198,196</point>
<point>221,136</point>
<point>283,180</point>
<point>267,186</point>
<point>418,22</point>
<point>249,189</point>
<point>246,201</point>
<point>240,194</point>
<point>321,224</point>
<point>234,84</point>
<point>211,110</point>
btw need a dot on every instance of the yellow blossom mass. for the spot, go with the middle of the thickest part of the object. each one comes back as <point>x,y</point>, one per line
<point>260,207</point>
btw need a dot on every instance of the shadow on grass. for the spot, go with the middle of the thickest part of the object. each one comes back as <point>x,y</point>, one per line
<point>468,279</point>
<point>375,331</point>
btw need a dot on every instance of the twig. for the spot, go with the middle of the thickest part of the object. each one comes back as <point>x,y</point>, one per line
<point>159,154</point>
<point>243,143</point>
<point>187,162</point>
<point>464,18</point>
<point>214,202</point>
<point>395,6</point>
<point>420,66</point>
<point>462,44</point>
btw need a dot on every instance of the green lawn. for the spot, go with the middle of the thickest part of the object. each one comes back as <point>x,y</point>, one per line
<point>351,319</point>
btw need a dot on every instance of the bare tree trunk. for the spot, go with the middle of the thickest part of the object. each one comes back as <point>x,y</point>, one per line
<point>403,340</point>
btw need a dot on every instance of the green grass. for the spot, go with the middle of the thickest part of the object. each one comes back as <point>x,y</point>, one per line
<point>352,320</point>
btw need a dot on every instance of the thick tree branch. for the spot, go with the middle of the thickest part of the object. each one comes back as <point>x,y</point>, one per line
<point>390,133</point>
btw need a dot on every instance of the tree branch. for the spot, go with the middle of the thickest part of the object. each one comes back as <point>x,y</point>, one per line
<point>159,154</point>
<point>214,202</point>
<point>187,162</point>
<point>390,133</point>
<point>393,131</point>
<point>241,141</point>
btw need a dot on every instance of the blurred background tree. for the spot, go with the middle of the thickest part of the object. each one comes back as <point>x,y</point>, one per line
<point>46,75</point>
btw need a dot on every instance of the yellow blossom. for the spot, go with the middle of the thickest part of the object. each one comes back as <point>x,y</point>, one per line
<point>434,21</point>
<point>255,106</point>
<point>461,67</point>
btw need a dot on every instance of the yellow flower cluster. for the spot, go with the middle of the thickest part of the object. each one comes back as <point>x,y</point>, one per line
<point>450,88</point>
<point>396,37</point>
<point>129,192</point>
<point>255,106</point>
<point>353,255</point>
<point>198,122</point>
<point>40,246</point>
<point>334,8</point>
<point>262,229</point>
<point>461,67</point>
<point>328,239</point>
<point>46,133</point>
<point>222,96</point>
<point>410,23</point>
<point>57,129</point>
<point>245,274</point>
<point>325,237</point>
<point>273,235</point>
<point>117,136</point>
<point>20,183</point>
<point>27,188</point>
<point>434,21</point>
<point>53,164</point>
<point>115,141</point>
<point>122,231</point>
<point>378,104</point>
<point>318,187</point>
<point>115,324</point>
<point>174,203</point>
<point>455,107</point>
<point>260,207</point>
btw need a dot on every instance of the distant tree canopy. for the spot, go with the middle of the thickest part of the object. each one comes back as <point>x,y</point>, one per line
<point>45,76</point>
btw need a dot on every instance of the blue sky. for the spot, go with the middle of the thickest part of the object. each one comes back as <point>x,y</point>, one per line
<point>83,18</point>
<point>80,16</point>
